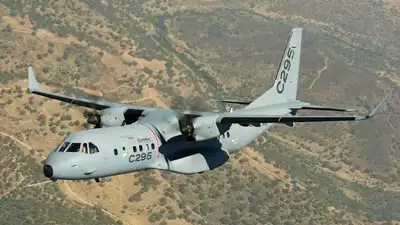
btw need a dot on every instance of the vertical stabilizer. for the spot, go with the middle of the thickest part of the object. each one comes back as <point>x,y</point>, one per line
<point>286,79</point>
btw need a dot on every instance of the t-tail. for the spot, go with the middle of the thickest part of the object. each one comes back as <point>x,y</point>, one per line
<point>286,79</point>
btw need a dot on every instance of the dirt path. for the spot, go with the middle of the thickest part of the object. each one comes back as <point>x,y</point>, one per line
<point>265,169</point>
<point>391,125</point>
<point>326,61</point>
<point>73,196</point>
<point>18,141</point>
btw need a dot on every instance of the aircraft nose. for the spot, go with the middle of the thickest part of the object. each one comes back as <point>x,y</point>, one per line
<point>48,171</point>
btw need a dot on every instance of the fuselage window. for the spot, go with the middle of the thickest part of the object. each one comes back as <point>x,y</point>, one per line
<point>64,146</point>
<point>134,149</point>
<point>93,148</point>
<point>147,145</point>
<point>123,148</point>
<point>140,147</point>
<point>84,148</point>
<point>74,147</point>
<point>115,152</point>
<point>227,134</point>
<point>152,146</point>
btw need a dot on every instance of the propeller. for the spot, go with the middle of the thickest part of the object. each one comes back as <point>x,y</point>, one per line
<point>186,126</point>
<point>93,117</point>
<point>186,120</point>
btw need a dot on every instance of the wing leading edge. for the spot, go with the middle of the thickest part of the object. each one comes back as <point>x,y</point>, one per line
<point>251,118</point>
<point>34,88</point>
<point>132,109</point>
<point>93,104</point>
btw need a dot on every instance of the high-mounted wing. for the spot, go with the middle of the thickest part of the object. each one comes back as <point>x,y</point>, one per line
<point>34,88</point>
<point>131,109</point>
<point>242,117</point>
<point>298,105</point>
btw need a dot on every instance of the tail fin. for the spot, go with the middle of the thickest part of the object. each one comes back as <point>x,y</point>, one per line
<point>286,79</point>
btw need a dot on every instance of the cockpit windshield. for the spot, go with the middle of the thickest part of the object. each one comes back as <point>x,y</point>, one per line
<point>78,147</point>
<point>74,147</point>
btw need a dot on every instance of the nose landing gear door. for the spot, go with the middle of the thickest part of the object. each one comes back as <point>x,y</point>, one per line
<point>90,171</point>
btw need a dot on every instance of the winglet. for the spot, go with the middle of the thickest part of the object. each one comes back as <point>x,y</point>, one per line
<point>377,108</point>
<point>32,83</point>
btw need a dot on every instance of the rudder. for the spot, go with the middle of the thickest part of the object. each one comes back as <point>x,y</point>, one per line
<point>286,79</point>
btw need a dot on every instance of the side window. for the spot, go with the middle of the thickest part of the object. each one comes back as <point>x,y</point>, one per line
<point>152,146</point>
<point>64,146</point>
<point>134,149</point>
<point>148,148</point>
<point>140,148</point>
<point>93,148</point>
<point>115,152</point>
<point>227,134</point>
<point>74,147</point>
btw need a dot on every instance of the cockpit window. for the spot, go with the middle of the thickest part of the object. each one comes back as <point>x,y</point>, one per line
<point>93,148</point>
<point>84,148</point>
<point>75,147</point>
<point>64,146</point>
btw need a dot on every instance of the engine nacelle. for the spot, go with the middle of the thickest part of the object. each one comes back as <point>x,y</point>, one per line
<point>206,127</point>
<point>112,117</point>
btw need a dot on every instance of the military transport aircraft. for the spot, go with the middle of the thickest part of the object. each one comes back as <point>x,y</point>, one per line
<point>132,138</point>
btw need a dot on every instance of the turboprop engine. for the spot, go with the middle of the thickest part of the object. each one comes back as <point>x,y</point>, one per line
<point>173,125</point>
<point>111,117</point>
<point>206,127</point>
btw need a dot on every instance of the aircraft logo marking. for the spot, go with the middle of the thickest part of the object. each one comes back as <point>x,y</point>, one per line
<point>146,139</point>
<point>280,87</point>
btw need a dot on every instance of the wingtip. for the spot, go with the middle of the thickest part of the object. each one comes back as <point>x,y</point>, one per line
<point>32,82</point>
<point>378,107</point>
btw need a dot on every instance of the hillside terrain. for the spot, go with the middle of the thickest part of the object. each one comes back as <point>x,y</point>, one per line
<point>327,173</point>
